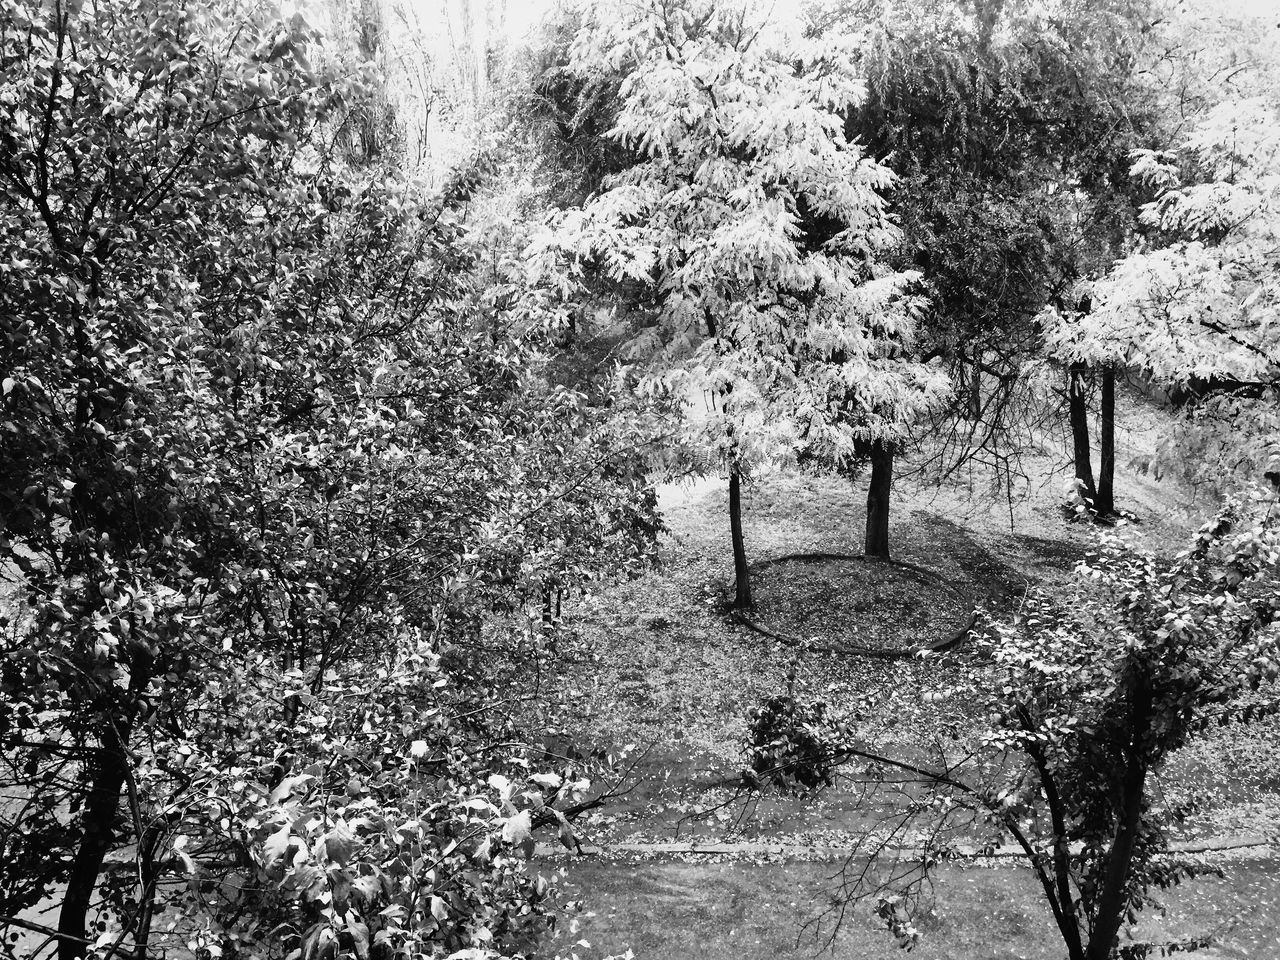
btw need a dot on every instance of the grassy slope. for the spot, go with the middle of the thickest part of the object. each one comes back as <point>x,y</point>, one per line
<point>657,662</point>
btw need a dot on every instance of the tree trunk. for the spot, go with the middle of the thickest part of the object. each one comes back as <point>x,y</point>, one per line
<point>741,576</point>
<point>1080,430</point>
<point>975,389</point>
<point>877,538</point>
<point>465,51</point>
<point>108,776</point>
<point>1109,913</point>
<point>552,596</point>
<point>106,770</point>
<point>496,28</point>
<point>1106,502</point>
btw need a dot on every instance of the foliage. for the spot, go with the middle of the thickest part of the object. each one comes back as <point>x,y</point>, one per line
<point>293,452</point>
<point>362,828</point>
<point>570,116</point>
<point>990,113</point>
<point>261,462</point>
<point>1193,306</point>
<point>1086,701</point>
<point>1008,125</point>
<point>798,339</point>
<point>789,742</point>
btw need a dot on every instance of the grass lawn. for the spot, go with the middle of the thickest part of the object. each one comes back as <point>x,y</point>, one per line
<point>658,663</point>
<point>738,910</point>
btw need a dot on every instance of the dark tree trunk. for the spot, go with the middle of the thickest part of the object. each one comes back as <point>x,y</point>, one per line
<point>106,771</point>
<point>1106,502</point>
<point>1111,906</point>
<point>741,576</point>
<point>1079,411</point>
<point>877,539</point>
<point>107,779</point>
<point>975,389</point>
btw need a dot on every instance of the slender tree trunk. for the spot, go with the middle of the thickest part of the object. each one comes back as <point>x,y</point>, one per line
<point>1106,502</point>
<point>1110,910</point>
<point>877,538</point>
<point>106,770</point>
<point>147,877</point>
<point>975,389</point>
<point>551,598</point>
<point>1058,890</point>
<point>1079,412</point>
<point>465,51</point>
<point>108,776</point>
<point>741,576</point>
<point>496,29</point>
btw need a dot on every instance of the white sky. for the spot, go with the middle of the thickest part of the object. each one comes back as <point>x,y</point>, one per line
<point>1260,8</point>
<point>523,14</point>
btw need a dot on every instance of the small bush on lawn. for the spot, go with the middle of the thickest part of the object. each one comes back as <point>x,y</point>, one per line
<point>790,743</point>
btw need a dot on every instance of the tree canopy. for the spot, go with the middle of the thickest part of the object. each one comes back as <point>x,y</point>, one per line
<point>262,469</point>
<point>310,424</point>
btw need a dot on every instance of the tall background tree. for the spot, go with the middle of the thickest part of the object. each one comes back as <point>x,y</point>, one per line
<point>739,141</point>
<point>1192,307</point>
<point>1009,127</point>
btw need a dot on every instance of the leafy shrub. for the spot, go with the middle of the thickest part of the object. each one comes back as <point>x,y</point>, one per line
<point>1086,699</point>
<point>791,743</point>
<point>1076,503</point>
<point>372,831</point>
<point>258,468</point>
